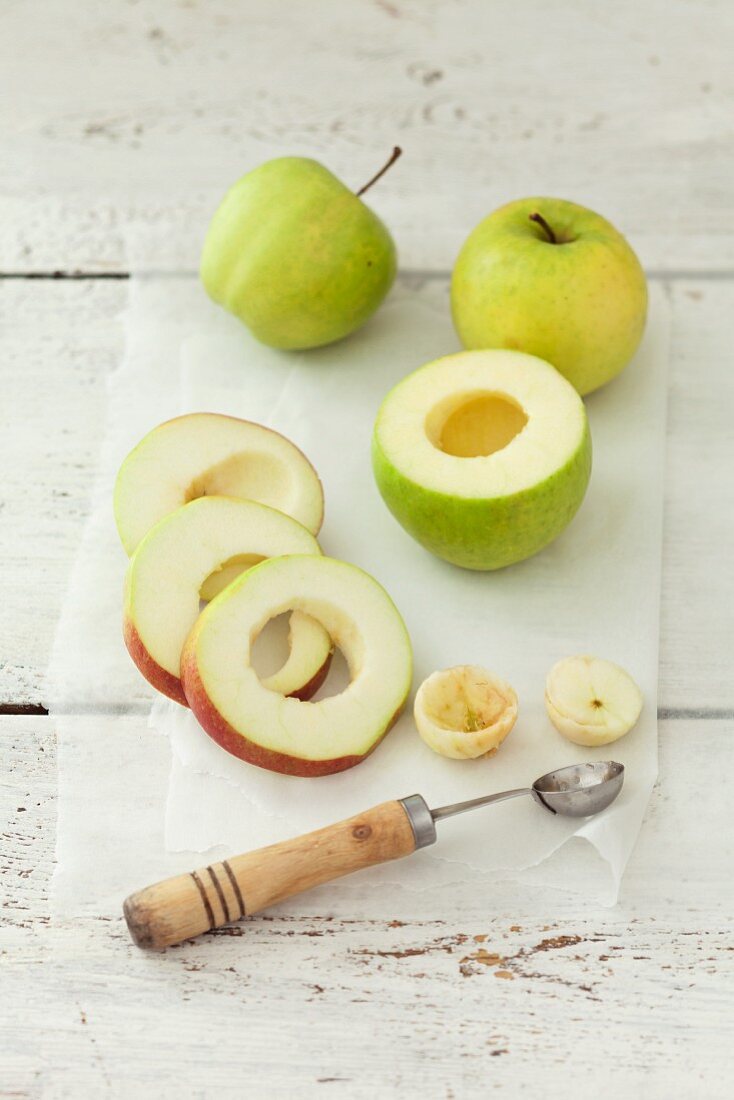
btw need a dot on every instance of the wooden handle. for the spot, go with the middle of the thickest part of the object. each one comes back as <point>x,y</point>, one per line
<point>187,905</point>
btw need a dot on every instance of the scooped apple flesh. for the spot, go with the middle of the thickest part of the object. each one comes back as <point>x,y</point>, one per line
<point>483,457</point>
<point>166,573</point>
<point>296,255</point>
<point>206,454</point>
<point>465,712</point>
<point>289,735</point>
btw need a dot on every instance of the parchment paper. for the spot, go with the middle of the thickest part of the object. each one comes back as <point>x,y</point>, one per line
<point>595,590</point>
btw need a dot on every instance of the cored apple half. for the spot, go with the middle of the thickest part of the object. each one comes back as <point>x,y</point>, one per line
<point>205,454</point>
<point>483,457</point>
<point>168,570</point>
<point>289,735</point>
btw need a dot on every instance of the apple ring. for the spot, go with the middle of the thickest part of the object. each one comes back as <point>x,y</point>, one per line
<point>288,735</point>
<point>205,454</point>
<point>167,572</point>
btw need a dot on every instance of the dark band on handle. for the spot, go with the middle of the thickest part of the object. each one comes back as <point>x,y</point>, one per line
<point>236,887</point>
<point>220,894</point>
<point>204,898</point>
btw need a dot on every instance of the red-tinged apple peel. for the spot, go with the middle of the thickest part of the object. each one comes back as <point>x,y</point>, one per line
<point>160,678</point>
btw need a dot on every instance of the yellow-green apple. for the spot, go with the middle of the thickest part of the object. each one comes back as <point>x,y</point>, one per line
<point>167,571</point>
<point>556,280</point>
<point>205,454</point>
<point>288,735</point>
<point>483,456</point>
<point>296,255</point>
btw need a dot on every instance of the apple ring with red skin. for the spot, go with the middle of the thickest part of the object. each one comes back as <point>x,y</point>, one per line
<point>170,567</point>
<point>288,735</point>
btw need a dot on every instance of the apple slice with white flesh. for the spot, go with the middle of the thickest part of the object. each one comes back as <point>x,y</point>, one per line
<point>483,457</point>
<point>166,574</point>
<point>207,454</point>
<point>288,735</point>
<point>591,701</point>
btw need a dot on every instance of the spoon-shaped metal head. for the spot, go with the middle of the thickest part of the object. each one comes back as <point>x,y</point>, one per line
<point>580,790</point>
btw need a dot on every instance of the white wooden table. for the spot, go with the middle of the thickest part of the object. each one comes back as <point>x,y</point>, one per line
<point>132,114</point>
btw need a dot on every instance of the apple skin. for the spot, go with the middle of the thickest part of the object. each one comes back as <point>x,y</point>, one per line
<point>296,255</point>
<point>581,304</point>
<point>159,678</point>
<point>309,690</point>
<point>219,729</point>
<point>485,534</point>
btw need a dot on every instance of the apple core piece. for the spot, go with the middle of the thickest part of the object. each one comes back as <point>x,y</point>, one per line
<point>289,735</point>
<point>591,701</point>
<point>464,712</point>
<point>206,454</point>
<point>167,571</point>
<point>483,457</point>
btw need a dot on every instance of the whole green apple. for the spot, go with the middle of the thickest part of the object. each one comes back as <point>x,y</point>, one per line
<point>483,457</point>
<point>556,280</point>
<point>296,255</point>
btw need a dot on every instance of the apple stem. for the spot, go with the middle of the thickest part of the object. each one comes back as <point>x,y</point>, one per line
<point>397,151</point>
<point>544,225</point>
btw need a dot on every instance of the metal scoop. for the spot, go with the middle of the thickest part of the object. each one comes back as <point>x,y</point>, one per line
<point>580,790</point>
<point>577,791</point>
<point>188,905</point>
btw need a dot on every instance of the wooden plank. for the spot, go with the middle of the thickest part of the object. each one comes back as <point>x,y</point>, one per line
<point>131,119</point>
<point>57,354</point>
<point>67,336</point>
<point>452,992</point>
<point>137,117</point>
